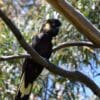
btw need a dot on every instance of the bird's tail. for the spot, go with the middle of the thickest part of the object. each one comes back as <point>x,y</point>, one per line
<point>23,91</point>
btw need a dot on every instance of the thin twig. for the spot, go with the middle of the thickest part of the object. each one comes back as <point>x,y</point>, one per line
<point>12,57</point>
<point>74,43</point>
<point>56,48</point>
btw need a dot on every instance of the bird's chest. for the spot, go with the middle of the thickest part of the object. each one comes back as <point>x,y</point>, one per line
<point>44,48</point>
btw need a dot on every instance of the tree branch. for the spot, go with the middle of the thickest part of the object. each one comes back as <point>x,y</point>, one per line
<point>77,19</point>
<point>58,47</point>
<point>75,76</point>
<point>12,57</point>
<point>74,43</point>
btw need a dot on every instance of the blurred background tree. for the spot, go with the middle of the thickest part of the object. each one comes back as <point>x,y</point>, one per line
<point>28,15</point>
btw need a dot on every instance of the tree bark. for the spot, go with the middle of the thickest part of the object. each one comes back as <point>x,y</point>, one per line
<point>77,19</point>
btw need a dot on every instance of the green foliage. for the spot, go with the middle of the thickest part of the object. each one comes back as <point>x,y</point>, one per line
<point>29,18</point>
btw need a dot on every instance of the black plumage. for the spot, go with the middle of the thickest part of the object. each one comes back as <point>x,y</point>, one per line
<point>42,43</point>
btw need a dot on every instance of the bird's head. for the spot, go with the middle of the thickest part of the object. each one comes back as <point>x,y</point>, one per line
<point>51,27</point>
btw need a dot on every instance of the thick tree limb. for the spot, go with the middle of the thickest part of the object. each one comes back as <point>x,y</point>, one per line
<point>77,19</point>
<point>60,46</point>
<point>75,76</point>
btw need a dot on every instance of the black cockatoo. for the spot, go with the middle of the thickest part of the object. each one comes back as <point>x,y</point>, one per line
<point>42,43</point>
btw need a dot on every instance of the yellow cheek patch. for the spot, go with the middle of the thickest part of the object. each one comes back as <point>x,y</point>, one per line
<point>25,91</point>
<point>47,27</point>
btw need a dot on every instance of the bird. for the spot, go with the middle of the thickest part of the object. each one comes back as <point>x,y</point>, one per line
<point>42,43</point>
